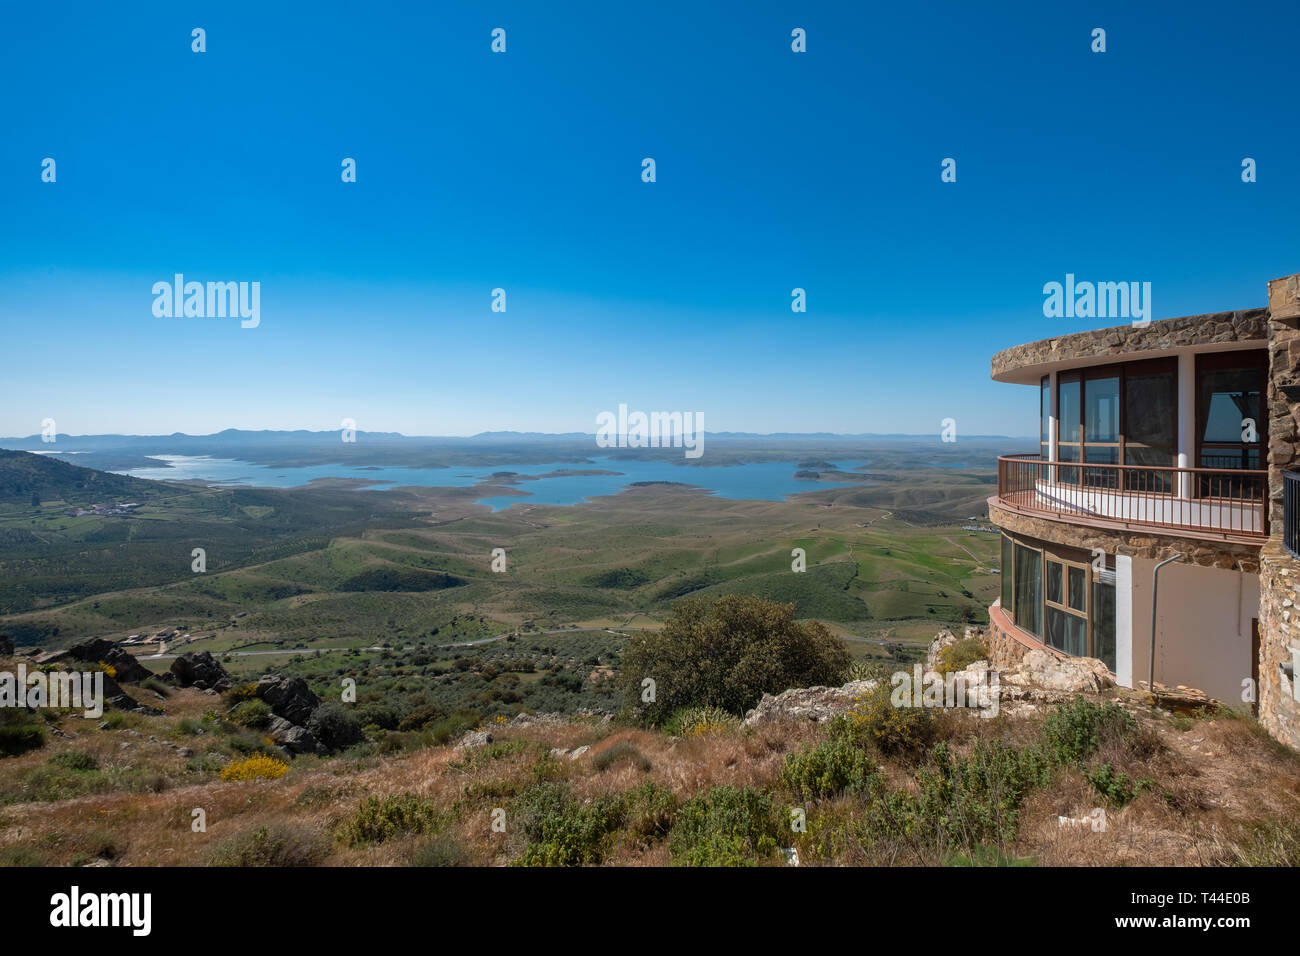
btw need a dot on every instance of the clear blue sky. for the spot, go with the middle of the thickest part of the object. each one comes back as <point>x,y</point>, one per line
<point>476,170</point>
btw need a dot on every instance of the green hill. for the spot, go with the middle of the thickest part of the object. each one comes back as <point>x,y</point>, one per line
<point>28,480</point>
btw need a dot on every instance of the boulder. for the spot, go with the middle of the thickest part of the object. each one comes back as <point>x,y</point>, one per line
<point>474,738</point>
<point>289,697</point>
<point>200,669</point>
<point>114,696</point>
<point>100,650</point>
<point>944,638</point>
<point>1072,675</point>
<point>6,645</point>
<point>809,703</point>
<point>294,739</point>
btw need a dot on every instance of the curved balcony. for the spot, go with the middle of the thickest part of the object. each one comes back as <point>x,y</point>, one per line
<point>1218,502</point>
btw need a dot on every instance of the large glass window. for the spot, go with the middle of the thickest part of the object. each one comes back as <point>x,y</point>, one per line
<point>1229,410</point>
<point>1103,621</point>
<point>1120,414</point>
<point>1150,407</point>
<point>1029,590</point>
<point>1060,598</point>
<point>1045,419</point>
<point>1008,572</point>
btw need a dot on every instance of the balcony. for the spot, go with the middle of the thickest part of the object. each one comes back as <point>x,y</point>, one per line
<point>1199,502</point>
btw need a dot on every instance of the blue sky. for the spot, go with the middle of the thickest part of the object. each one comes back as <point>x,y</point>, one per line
<point>522,171</point>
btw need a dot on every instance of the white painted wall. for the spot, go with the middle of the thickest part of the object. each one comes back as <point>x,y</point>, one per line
<point>1202,631</point>
<point>1124,620</point>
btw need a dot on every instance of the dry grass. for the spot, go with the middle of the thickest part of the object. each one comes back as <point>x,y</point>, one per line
<point>1223,793</point>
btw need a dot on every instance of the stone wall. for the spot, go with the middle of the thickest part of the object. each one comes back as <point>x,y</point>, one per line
<point>1139,544</point>
<point>1279,631</point>
<point>1246,325</point>
<point>1283,369</point>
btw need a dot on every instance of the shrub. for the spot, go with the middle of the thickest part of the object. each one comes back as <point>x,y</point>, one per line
<point>623,750</point>
<point>258,765</point>
<point>440,851</point>
<point>157,686</point>
<point>335,726</point>
<point>728,826</point>
<point>417,718</point>
<point>381,818</point>
<point>727,653</point>
<point>253,714</point>
<point>1074,731</point>
<point>19,732</point>
<point>959,656</point>
<point>893,730</point>
<point>867,669</point>
<point>969,802</point>
<point>560,830</point>
<point>649,812</point>
<point>834,767</point>
<point>1116,787</point>
<point>241,692</point>
<point>274,845</point>
<point>74,760</point>
<point>698,721</point>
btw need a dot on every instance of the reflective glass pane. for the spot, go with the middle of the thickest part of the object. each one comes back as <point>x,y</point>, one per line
<point>1054,589</point>
<point>1101,409</point>
<point>1068,411</point>
<point>1078,589</point>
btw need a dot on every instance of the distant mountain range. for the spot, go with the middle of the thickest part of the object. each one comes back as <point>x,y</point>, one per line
<point>237,436</point>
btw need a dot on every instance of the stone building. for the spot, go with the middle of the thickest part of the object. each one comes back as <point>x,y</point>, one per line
<point>1150,527</point>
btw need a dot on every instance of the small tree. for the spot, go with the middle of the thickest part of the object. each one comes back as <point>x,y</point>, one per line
<point>727,654</point>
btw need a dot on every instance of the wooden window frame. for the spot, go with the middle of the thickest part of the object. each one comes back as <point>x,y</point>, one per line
<point>1120,372</point>
<point>1242,358</point>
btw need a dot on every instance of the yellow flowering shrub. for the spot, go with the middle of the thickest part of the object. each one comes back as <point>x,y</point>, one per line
<point>258,765</point>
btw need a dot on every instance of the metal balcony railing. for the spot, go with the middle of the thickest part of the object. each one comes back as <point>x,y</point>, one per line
<point>1230,501</point>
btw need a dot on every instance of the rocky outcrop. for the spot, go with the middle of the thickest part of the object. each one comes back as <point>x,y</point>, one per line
<point>293,738</point>
<point>288,697</point>
<point>200,669</point>
<point>473,739</point>
<point>114,696</point>
<point>6,645</point>
<point>808,703</point>
<point>98,650</point>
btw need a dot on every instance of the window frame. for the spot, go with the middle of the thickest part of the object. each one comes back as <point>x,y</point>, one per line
<point>1120,372</point>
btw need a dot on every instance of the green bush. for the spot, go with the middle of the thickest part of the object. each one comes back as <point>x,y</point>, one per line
<point>253,714</point>
<point>699,720</point>
<point>893,730</point>
<point>649,812</point>
<point>728,826</point>
<point>1116,787</point>
<point>834,767</point>
<point>563,832</point>
<point>20,732</point>
<point>74,760</point>
<point>727,653</point>
<point>335,726</point>
<point>969,802</point>
<point>1074,731</point>
<point>959,656</point>
<point>381,818</point>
